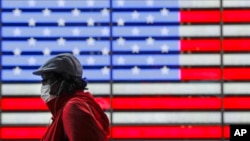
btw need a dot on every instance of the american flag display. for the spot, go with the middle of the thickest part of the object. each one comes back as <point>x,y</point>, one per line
<point>161,69</point>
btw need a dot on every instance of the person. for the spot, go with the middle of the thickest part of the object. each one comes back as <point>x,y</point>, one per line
<point>75,114</point>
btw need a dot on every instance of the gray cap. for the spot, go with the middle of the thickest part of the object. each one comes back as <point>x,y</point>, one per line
<point>64,63</point>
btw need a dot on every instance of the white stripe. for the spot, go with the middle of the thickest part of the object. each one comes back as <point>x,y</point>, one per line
<point>166,117</point>
<point>200,30</point>
<point>232,88</point>
<point>124,88</point>
<point>199,3</point>
<point>21,89</point>
<point>236,30</point>
<point>236,3</point>
<point>139,88</point>
<point>236,59</point>
<point>26,118</point>
<point>237,117</point>
<point>204,59</point>
<point>29,118</point>
<point>34,89</point>
<point>166,88</point>
<point>136,117</point>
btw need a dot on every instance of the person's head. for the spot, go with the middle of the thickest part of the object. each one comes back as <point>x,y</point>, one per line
<point>61,74</point>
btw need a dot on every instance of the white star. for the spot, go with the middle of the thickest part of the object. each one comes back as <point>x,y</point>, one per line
<point>31,3</point>
<point>17,52</point>
<point>150,60</point>
<point>90,3</point>
<point>91,41</point>
<point>150,19</point>
<point>90,61</point>
<point>46,12</point>
<point>76,12</point>
<point>120,60</point>
<point>135,70</point>
<point>150,2</point>
<point>76,32</point>
<point>164,31</point>
<point>120,22</point>
<point>105,31</point>
<point>32,42</point>
<point>164,12</point>
<point>76,51</point>
<point>61,3</point>
<point>17,71</point>
<point>135,15</point>
<point>164,48</point>
<point>61,22</point>
<point>32,22</point>
<point>46,32</point>
<point>105,12</point>
<point>164,70</point>
<point>150,41</point>
<point>91,22</point>
<point>135,48</point>
<point>61,41</point>
<point>120,2</point>
<point>105,51</point>
<point>17,12</point>
<point>32,61</point>
<point>121,41</point>
<point>135,31</point>
<point>17,32</point>
<point>46,52</point>
<point>105,70</point>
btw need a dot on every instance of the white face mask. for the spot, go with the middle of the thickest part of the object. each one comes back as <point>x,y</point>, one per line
<point>45,89</point>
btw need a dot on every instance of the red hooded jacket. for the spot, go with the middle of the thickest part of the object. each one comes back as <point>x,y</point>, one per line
<point>76,118</point>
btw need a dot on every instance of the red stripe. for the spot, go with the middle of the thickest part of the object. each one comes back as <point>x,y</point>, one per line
<point>138,132</point>
<point>214,74</point>
<point>23,104</point>
<point>214,16</point>
<point>35,104</point>
<point>22,132</point>
<point>236,15</point>
<point>168,132</point>
<point>166,103</point>
<point>148,103</point>
<point>200,45</point>
<point>200,16</point>
<point>200,73</point>
<point>237,74</point>
<point>181,103</point>
<point>236,44</point>
<point>237,103</point>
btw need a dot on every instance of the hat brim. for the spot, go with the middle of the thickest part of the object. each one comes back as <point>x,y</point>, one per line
<point>37,72</point>
<point>41,71</point>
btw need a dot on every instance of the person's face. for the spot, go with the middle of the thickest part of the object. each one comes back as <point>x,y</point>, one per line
<point>50,79</point>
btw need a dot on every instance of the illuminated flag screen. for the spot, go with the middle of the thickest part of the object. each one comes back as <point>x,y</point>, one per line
<point>160,69</point>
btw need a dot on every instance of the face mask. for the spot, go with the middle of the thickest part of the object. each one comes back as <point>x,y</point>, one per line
<point>45,93</point>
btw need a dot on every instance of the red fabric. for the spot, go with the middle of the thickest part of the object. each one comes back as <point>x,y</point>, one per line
<point>78,117</point>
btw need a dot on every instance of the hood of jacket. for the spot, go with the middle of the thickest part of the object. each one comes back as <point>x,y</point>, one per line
<point>57,104</point>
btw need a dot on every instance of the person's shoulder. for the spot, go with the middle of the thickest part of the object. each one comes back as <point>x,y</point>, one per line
<point>76,105</point>
<point>85,92</point>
